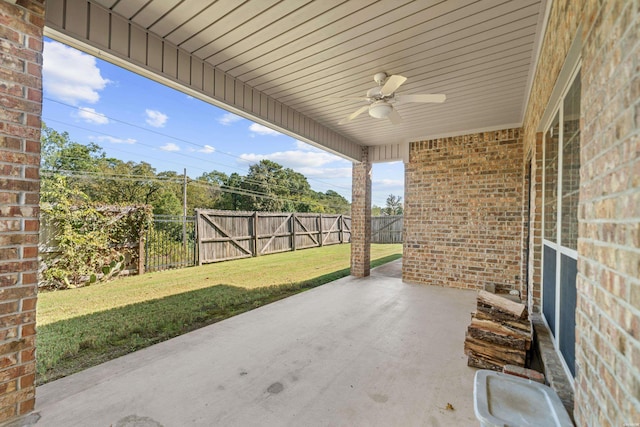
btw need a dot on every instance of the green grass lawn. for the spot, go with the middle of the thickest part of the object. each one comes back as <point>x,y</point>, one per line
<point>79,328</point>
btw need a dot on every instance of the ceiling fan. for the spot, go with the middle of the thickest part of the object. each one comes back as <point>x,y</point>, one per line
<point>382,98</point>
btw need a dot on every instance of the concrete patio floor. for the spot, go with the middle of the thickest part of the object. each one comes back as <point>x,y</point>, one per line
<point>354,352</point>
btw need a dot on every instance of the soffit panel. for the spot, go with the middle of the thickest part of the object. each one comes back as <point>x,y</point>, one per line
<point>303,53</point>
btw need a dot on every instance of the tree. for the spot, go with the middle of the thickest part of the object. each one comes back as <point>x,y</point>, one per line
<point>376,211</point>
<point>273,188</point>
<point>268,186</point>
<point>394,205</point>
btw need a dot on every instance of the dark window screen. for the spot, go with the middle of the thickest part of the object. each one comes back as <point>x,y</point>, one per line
<point>549,288</point>
<point>568,271</point>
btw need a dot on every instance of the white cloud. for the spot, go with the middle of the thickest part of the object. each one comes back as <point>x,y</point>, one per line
<point>207,149</point>
<point>70,75</point>
<point>90,115</point>
<point>388,183</point>
<point>295,158</point>
<point>228,118</point>
<point>326,173</point>
<point>263,130</point>
<point>170,146</point>
<point>113,140</point>
<point>155,118</point>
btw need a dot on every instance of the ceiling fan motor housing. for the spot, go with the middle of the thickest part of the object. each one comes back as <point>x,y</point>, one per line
<point>380,109</point>
<point>380,78</point>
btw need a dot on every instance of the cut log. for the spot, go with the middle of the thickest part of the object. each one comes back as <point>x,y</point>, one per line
<point>497,354</point>
<point>495,333</point>
<point>476,361</point>
<point>502,306</point>
<point>523,325</point>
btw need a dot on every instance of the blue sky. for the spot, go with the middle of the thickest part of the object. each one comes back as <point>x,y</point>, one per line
<point>134,118</point>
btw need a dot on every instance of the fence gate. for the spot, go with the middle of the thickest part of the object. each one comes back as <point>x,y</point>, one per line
<point>170,243</point>
<point>226,235</point>
<point>387,229</point>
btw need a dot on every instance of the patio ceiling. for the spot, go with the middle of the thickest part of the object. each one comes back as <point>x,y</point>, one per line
<point>301,53</point>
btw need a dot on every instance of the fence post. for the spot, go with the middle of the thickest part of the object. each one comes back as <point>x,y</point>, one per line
<point>340,229</point>
<point>255,234</point>
<point>320,240</point>
<point>141,253</point>
<point>198,237</point>
<point>293,231</point>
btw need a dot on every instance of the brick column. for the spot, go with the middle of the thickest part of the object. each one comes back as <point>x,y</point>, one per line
<point>361,216</point>
<point>21,27</point>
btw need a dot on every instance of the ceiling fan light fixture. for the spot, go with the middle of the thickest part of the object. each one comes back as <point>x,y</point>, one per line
<point>380,110</point>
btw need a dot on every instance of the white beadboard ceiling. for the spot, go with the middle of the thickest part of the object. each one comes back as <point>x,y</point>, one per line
<point>302,53</point>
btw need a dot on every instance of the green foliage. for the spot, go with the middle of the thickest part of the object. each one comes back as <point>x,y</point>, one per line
<point>394,206</point>
<point>267,186</point>
<point>85,239</point>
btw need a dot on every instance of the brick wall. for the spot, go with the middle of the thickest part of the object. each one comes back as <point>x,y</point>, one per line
<point>464,211</point>
<point>608,313</point>
<point>608,286</point>
<point>21,98</point>
<point>564,18</point>
<point>361,216</point>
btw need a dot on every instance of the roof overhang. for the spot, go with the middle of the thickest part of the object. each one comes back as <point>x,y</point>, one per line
<point>283,63</point>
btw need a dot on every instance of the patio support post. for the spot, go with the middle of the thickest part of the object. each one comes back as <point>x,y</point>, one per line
<point>21,28</point>
<point>361,216</point>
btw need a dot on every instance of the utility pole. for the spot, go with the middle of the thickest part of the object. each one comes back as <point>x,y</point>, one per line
<point>184,210</point>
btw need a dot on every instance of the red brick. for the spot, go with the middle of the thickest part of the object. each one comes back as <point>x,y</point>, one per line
<point>30,252</point>
<point>8,279</point>
<point>28,330</point>
<point>8,360</point>
<point>32,146</point>
<point>34,95</point>
<point>32,199</point>
<point>26,406</point>
<point>27,381</point>
<point>8,34</point>
<point>8,387</point>
<point>10,411</point>
<point>9,333</point>
<point>8,198</point>
<point>8,254</point>
<point>28,355</point>
<point>9,224</point>
<point>8,307</point>
<point>32,173</point>
<point>16,397</point>
<point>31,225</point>
<point>14,320</point>
<point>10,143</point>
<point>29,304</point>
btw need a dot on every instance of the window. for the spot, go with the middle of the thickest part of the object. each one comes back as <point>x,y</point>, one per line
<point>560,217</point>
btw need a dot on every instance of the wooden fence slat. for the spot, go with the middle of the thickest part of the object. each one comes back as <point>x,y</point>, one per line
<point>226,235</point>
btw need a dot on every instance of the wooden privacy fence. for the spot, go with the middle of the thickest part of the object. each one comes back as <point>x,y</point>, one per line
<point>226,235</point>
<point>386,229</point>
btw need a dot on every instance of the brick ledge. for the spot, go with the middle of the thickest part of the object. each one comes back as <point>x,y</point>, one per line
<point>552,365</point>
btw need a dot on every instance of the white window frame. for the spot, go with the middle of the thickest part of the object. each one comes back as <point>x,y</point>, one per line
<point>568,74</point>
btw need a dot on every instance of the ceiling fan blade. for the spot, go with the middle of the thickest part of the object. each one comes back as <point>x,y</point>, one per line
<point>438,98</point>
<point>395,117</point>
<point>354,115</point>
<point>392,84</point>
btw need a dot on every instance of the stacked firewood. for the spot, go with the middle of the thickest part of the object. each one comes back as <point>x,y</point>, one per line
<point>499,333</point>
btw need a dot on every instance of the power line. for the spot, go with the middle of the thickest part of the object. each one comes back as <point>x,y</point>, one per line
<point>225,188</point>
<point>181,154</point>
<point>168,136</point>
